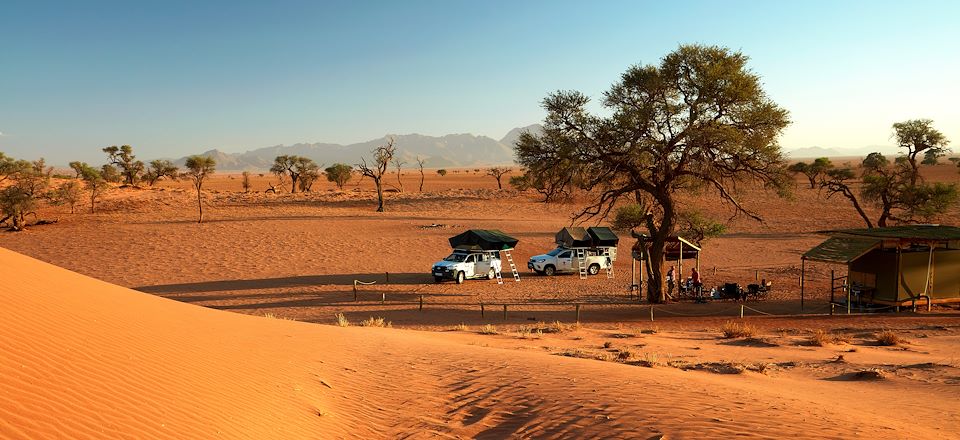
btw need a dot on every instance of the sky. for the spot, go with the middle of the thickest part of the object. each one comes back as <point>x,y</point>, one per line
<point>174,78</point>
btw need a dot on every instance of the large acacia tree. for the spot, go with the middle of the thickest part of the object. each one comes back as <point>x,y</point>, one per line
<point>699,118</point>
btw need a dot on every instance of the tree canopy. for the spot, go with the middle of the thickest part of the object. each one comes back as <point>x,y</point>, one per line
<point>699,118</point>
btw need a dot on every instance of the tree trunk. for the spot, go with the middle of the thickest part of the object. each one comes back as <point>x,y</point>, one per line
<point>293,183</point>
<point>379,194</point>
<point>499,185</point>
<point>199,205</point>
<point>421,179</point>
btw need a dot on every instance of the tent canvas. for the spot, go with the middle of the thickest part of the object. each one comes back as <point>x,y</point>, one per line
<point>483,240</point>
<point>603,236</point>
<point>574,237</point>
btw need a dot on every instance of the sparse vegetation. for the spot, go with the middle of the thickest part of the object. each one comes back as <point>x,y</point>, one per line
<point>302,171</point>
<point>198,169</point>
<point>888,338</point>
<point>69,193</point>
<point>442,172</point>
<point>735,329</point>
<point>95,185</point>
<point>461,327</point>
<point>339,174</point>
<point>488,329</point>
<point>342,320</point>
<point>821,338</point>
<point>375,322</point>
<point>813,170</point>
<point>245,183</point>
<point>160,169</point>
<point>420,163</point>
<point>497,173</point>
<point>28,184</point>
<point>382,156</point>
<point>129,167</point>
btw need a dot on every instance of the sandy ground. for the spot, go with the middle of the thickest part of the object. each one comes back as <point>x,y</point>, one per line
<point>89,359</point>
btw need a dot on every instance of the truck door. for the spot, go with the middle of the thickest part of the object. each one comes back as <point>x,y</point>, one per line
<point>483,264</point>
<point>565,261</point>
<point>469,271</point>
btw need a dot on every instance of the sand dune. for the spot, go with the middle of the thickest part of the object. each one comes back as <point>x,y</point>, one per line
<point>81,358</point>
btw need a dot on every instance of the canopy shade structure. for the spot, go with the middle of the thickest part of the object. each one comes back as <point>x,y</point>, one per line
<point>574,237</point>
<point>908,232</point>
<point>677,248</point>
<point>603,236</point>
<point>842,250</point>
<point>483,240</point>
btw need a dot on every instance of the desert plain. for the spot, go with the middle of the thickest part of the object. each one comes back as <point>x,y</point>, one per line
<point>138,322</point>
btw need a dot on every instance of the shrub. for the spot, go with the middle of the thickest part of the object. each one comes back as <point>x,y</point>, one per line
<point>488,329</point>
<point>461,327</point>
<point>733,329</point>
<point>375,322</point>
<point>821,338</point>
<point>888,338</point>
<point>342,320</point>
<point>442,172</point>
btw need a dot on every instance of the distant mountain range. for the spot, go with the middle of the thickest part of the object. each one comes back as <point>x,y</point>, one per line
<point>811,152</point>
<point>450,151</point>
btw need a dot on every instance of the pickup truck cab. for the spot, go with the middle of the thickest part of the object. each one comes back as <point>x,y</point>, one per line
<point>564,260</point>
<point>463,265</point>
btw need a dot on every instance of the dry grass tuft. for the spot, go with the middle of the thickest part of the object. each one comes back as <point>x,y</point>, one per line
<point>274,316</point>
<point>734,329</point>
<point>525,332</point>
<point>888,338</point>
<point>461,327</point>
<point>821,338</point>
<point>342,320</point>
<point>375,322</point>
<point>488,329</point>
<point>607,344</point>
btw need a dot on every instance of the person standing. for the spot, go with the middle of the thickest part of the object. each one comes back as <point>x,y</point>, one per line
<point>670,281</point>
<point>697,284</point>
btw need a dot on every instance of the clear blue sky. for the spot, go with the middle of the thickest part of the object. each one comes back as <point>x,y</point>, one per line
<point>172,78</point>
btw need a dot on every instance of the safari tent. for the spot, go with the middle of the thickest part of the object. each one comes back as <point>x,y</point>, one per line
<point>483,240</point>
<point>895,265</point>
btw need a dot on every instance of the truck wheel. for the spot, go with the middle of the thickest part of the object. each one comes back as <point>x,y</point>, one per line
<point>437,279</point>
<point>549,270</point>
<point>492,274</point>
<point>594,269</point>
<point>460,277</point>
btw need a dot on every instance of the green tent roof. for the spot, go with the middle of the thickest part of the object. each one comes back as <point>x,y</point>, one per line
<point>908,232</point>
<point>603,236</point>
<point>483,240</point>
<point>842,249</point>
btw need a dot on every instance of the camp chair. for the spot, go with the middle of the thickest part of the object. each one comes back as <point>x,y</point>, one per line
<point>732,291</point>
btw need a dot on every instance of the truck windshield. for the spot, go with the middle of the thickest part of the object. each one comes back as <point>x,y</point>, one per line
<point>456,258</point>
<point>554,252</point>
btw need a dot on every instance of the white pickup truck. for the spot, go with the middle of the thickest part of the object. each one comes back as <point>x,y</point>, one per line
<point>462,265</point>
<point>564,260</point>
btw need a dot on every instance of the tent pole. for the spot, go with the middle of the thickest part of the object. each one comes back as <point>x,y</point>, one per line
<point>633,275</point>
<point>680,260</point>
<point>803,269</point>
<point>896,297</point>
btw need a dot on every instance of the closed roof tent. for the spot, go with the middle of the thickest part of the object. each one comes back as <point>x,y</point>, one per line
<point>603,236</point>
<point>483,240</point>
<point>574,237</point>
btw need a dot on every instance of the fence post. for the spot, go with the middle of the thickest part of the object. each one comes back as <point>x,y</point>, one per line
<point>481,310</point>
<point>421,302</point>
<point>383,297</point>
<point>741,311</point>
<point>578,312</point>
<point>354,290</point>
<point>651,313</point>
<point>388,277</point>
<point>504,311</point>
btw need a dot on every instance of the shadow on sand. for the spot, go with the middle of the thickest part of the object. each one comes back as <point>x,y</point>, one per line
<point>277,283</point>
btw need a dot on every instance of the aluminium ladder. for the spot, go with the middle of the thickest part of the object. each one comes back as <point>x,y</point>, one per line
<point>581,264</point>
<point>513,268</point>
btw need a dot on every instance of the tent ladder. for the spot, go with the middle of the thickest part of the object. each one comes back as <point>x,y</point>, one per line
<point>581,264</point>
<point>513,267</point>
<point>606,253</point>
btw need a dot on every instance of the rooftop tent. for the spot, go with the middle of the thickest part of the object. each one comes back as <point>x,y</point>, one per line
<point>483,240</point>
<point>574,237</point>
<point>603,236</point>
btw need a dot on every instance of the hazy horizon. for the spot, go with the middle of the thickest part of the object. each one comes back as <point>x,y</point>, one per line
<point>179,78</point>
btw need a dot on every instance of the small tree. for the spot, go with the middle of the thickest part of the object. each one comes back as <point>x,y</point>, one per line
<point>28,184</point>
<point>931,157</point>
<point>309,173</point>
<point>420,163</point>
<point>122,157</point>
<point>339,174</point>
<point>918,136</point>
<point>399,163</point>
<point>442,172</point>
<point>382,156</point>
<point>78,168</point>
<point>198,169</point>
<point>95,184</point>
<point>837,181</point>
<point>109,173</point>
<point>68,194</point>
<point>497,173</point>
<point>160,169</point>
<point>812,170</point>
<point>246,181</point>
